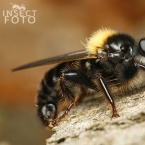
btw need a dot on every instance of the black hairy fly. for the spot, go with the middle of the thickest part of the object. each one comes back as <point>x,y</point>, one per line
<point>110,59</point>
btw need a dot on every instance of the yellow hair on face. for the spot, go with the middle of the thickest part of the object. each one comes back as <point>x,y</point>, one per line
<point>98,40</point>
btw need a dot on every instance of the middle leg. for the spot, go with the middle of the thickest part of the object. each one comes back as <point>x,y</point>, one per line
<point>109,98</point>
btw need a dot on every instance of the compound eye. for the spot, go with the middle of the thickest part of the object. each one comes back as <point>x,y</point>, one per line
<point>142,45</point>
<point>48,112</point>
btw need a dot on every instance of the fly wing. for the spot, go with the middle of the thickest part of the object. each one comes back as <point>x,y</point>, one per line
<point>78,55</point>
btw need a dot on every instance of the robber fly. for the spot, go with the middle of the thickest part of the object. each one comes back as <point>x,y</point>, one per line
<point>110,59</point>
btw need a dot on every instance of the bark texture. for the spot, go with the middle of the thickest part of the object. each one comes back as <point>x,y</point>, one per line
<point>90,123</point>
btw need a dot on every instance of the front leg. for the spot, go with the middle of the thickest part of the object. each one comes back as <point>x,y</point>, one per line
<point>109,98</point>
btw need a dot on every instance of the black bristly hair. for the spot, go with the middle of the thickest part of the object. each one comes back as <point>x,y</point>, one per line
<point>111,59</point>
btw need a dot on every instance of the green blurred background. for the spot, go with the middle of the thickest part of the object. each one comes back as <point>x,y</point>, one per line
<point>60,27</point>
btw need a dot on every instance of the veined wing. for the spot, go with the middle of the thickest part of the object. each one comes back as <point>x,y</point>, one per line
<point>78,55</point>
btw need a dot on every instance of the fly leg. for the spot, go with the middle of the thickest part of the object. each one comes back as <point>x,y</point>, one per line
<point>109,98</point>
<point>64,114</point>
<point>66,84</point>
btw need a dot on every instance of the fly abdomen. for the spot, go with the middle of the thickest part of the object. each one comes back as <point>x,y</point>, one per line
<point>78,77</point>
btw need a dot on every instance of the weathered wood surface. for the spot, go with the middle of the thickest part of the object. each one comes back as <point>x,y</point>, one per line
<point>90,123</point>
